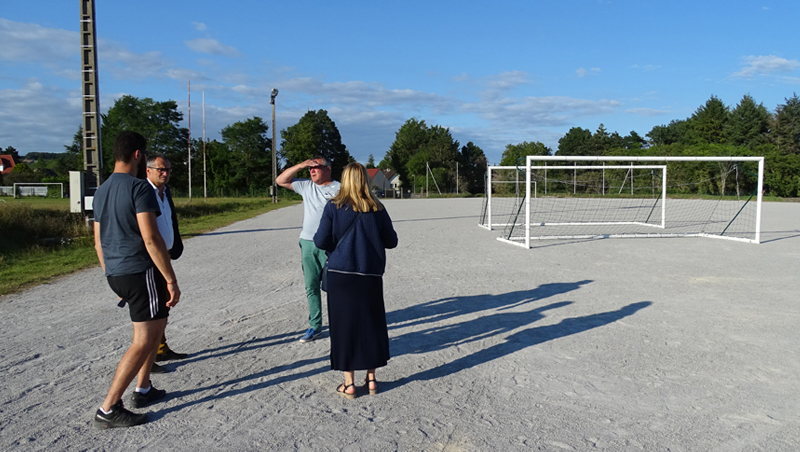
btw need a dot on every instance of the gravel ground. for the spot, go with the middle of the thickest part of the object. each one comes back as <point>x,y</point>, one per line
<point>617,344</point>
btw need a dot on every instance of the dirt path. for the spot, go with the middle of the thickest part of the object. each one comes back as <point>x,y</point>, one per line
<point>630,344</point>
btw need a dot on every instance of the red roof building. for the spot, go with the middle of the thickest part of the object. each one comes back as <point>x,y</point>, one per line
<point>6,163</point>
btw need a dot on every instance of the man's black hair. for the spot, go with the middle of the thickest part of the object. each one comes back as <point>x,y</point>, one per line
<point>126,143</point>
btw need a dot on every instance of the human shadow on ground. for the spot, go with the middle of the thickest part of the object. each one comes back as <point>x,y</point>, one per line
<point>434,219</point>
<point>446,335</point>
<point>258,380</point>
<point>243,346</point>
<point>445,308</point>
<point>243,231</point>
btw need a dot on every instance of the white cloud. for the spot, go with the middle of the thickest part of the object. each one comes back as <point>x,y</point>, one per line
<point>583,72</point>
<point>34,108</point>
<point>539,111</point>
<point>185,74</point>
<point>200,26</point>
<point>124,64</point>
<point>766,65</point>
<point>507,80</point>
<point>646,67</point>
<point>57,50</point>
<point>34,43</point>
<point>647,111</point>
<point>212,47</point>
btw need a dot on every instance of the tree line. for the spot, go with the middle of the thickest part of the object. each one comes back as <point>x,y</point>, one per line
<point>238,165</point>
<point>241,163</point>
<point>714,129</point>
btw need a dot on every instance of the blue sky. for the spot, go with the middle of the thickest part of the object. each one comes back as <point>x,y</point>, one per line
<point>494,73</point>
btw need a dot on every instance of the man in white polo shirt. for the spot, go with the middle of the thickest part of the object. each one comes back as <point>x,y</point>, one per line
<point>159,170</point>
<point>315,192</point>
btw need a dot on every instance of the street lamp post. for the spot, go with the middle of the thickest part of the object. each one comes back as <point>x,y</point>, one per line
<point>272,96</point>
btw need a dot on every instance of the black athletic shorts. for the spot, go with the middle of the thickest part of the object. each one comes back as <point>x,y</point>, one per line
<point>146,294</point>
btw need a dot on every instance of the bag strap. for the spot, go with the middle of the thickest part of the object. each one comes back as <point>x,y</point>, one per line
<point>348,230</point>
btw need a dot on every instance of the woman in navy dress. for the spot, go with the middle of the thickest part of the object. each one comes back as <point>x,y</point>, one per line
<point>355,231</point>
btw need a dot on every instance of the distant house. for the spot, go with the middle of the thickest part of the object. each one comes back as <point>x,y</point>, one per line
<point>378,180</point>
<point>394,179</point>
<point>6,164</point>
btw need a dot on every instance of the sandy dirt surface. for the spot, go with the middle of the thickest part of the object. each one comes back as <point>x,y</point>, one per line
<point>616,344</point>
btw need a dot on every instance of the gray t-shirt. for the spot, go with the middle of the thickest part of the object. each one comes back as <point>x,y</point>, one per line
<point>116,204</point>
<point>314,199</point>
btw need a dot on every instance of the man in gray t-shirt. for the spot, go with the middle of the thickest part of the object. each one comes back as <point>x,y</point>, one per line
<point>315,192</point>
<point>137,267</point>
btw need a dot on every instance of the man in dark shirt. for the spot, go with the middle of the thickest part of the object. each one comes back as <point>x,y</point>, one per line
<point>138,269</point>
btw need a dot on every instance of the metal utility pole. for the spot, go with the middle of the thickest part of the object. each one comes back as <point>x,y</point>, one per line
<point>90,94</point>
<point>205,187</point>
<point>272,97</point>
<point>189,89</point>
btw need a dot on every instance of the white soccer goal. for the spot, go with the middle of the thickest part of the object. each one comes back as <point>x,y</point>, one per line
<point>505,191</point>
<point>35,188</point>
<point>610,197</point>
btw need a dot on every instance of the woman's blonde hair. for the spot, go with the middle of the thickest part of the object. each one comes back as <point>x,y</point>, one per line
<point>355,190</point>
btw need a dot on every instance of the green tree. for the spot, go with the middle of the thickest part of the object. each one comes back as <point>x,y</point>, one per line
<point>709,122</point>
<point>250,151</point>
<point>221,168</point>
<point>786,131</point>
<point>442,152</point>
<point>576,142</point>
<point>472,169</point>
<point>74,152</point>
<point>781,175</point>
<point>315,134</point>
<point>514,154</point>
<point>418,163</point>
<point>371,162</point>
<point>633,141</point>
<point>749,124</point>
<point>602,141</point>
<point>158,122</point>
<point>21,173</point>
<point>673,133</point>
<point>385,163</point>
<point>12,152</point>
<point>410,139</point>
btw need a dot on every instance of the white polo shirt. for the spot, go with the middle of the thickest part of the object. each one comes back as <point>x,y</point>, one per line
<point>164,220</point>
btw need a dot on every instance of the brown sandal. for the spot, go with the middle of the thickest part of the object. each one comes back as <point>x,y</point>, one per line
<point>367,381</point>
<point>342,389</point>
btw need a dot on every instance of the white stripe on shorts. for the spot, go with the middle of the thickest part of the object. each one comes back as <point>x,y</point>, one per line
<point>152,292</point>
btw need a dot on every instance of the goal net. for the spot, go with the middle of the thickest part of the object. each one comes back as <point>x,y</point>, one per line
<point>610,197</point>
<point>503,200</point>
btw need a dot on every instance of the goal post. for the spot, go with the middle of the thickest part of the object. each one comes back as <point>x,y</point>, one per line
<point>629,196</point>
<point>504,195</point>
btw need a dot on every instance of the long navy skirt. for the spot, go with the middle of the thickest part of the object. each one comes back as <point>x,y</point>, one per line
<point>357,322</point>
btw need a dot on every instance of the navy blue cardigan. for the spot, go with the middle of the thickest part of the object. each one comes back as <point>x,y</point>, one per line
<point>363,251</point>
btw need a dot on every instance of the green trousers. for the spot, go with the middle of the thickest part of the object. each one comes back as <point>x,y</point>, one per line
<point>313,259</point>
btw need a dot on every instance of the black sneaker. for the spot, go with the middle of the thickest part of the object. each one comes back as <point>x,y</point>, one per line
<point>139,400</point>
<point>170,355</point>
<point>156,369</point>
<point>118,417</point>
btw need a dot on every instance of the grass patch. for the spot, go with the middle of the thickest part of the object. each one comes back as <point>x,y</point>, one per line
<point>41,240</point>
